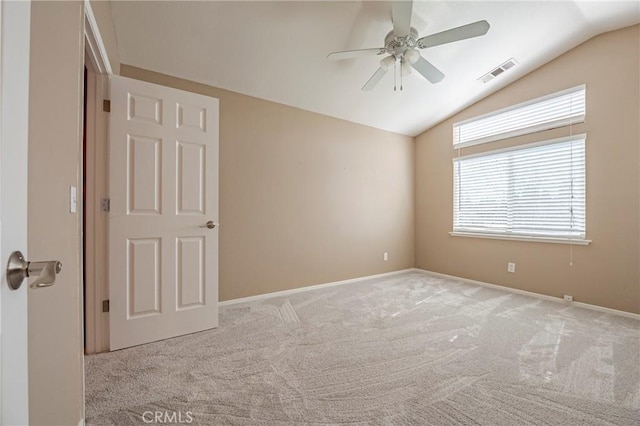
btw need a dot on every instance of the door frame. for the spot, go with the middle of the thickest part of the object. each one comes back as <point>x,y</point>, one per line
<point>96,167</point>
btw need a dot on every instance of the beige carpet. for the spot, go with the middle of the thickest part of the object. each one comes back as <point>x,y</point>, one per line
<point>408,350</point>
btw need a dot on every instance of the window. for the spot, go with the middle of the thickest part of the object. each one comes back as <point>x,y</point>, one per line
<point>555,110</point>
<point>535,191</point>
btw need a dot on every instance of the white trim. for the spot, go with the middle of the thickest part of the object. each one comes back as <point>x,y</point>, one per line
<point>606,310</point>
<point>96,322</point>
<point>94,43</point>
<point>81,422</point>
<point>536,295</point>
<point>559,240</point>
<point>311,287</point>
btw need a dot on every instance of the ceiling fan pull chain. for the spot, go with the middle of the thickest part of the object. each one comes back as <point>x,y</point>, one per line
<point>394,75</point>
<point>400,76</point>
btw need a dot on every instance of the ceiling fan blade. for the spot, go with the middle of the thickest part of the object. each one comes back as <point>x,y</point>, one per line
<point>401,14</point>
<point>428,70</point>
<point>348,54</point>
<point>375,78</point>
<point>475,29</point>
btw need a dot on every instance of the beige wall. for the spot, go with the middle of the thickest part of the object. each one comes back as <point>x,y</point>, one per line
<point>304,198</point>
<point>55,329</point>
<point>104,18</point>
<point>605,273</point>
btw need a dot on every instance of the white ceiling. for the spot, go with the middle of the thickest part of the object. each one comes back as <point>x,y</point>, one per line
<point>277,50</point>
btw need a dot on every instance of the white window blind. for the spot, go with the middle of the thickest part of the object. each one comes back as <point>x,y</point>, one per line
<point>555,110</point>
<point>537,190</point>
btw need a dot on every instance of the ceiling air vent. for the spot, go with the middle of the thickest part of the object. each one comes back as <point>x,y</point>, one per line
<point>497,71</point>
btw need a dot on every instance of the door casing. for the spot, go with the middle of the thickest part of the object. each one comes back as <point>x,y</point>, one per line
<point>96,172</point>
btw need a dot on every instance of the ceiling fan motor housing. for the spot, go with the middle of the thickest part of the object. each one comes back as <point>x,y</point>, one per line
<point>397,46</point>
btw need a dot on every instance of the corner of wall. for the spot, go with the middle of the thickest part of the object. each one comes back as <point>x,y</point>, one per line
<point>613,180</point>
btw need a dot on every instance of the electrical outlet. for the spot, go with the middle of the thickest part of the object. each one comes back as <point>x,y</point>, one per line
<point>568,298</point>
<point>511,267</point>
<point>385,256</point>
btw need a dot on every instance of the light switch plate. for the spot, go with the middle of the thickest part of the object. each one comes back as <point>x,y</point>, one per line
<point>73,199</point>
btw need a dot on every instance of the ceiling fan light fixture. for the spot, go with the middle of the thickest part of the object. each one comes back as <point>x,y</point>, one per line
<point>405,68</point>
<point>412,55</point>
<point>387,62</point>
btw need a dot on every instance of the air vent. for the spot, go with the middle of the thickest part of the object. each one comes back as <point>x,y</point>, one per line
<point>497,71</point>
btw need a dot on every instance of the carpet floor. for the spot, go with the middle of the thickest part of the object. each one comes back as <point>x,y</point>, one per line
<point>411,349</point>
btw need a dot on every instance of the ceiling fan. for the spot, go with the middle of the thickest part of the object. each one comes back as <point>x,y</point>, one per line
<point>402,44</point>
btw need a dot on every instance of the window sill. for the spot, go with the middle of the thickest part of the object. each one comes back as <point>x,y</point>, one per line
<point>576,241</point>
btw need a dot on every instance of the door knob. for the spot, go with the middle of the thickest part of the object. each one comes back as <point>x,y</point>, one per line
<point>18,269</point>
<point>210,225</point>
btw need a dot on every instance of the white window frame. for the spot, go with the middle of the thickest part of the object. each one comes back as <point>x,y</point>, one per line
<point>521,237</point>
<point>552,124</point>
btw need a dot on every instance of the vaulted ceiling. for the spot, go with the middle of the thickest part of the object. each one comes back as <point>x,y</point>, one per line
<point>278,50</point>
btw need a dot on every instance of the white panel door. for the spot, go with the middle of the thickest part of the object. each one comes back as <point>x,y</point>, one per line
<point>163,183</point>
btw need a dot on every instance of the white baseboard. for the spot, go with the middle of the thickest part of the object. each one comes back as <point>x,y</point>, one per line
<point>437,274</point>
<point>536,295</point>
<point>311,287</point>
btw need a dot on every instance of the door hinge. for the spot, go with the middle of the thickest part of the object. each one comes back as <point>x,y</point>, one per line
<point>105,305</point>
<point>106,105</point>
<point>105,205</point>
